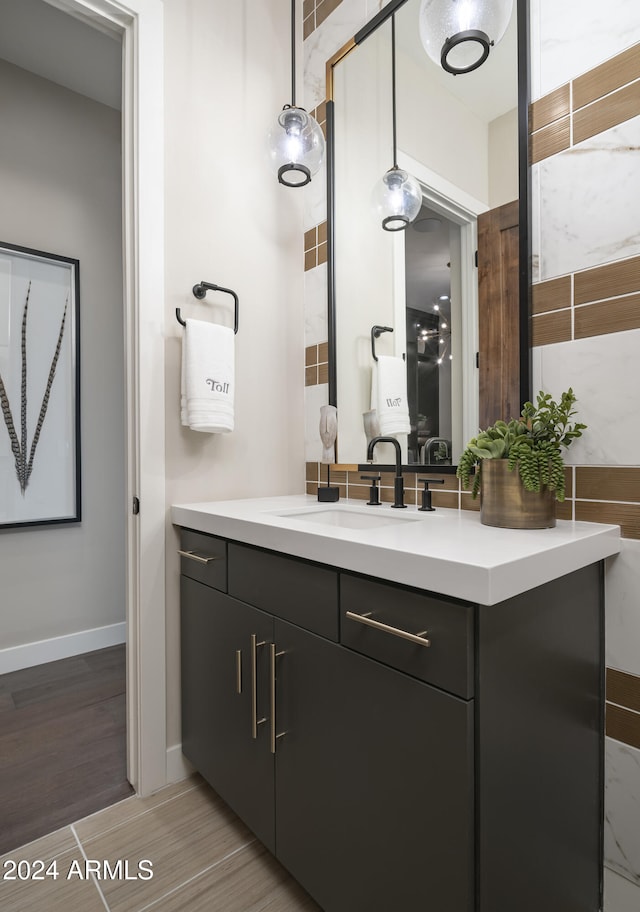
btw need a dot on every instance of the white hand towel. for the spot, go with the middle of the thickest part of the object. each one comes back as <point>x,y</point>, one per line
<point>208,377</point>
<point>389,395</point>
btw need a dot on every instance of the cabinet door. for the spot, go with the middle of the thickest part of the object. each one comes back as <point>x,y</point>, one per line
<point>374,782</point>
<point>218,701</point>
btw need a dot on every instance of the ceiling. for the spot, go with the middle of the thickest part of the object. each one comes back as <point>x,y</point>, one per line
<point>50,43</point>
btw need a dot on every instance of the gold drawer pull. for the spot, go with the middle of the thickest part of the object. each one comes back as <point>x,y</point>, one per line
<point>255,721</point>
<point>196,557</point>
<point>419,638</point>
<point>273,655</point>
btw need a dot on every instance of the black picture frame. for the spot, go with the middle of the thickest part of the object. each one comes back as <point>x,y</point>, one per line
<point>40,472</point>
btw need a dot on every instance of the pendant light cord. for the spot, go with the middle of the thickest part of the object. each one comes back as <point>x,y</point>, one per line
<point>393,89</point>
<point>293,53</point>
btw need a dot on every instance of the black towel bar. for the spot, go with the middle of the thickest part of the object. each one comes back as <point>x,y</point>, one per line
<point>200,290</point>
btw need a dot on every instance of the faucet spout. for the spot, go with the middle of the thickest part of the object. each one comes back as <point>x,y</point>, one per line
<point>399,480</point>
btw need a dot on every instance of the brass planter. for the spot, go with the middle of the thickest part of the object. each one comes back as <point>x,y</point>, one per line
<point>505,502</point>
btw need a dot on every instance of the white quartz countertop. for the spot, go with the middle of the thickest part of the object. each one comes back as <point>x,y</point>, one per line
<point>447,551</point>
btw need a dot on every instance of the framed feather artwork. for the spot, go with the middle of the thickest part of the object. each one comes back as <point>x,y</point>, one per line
<point>39,388</point>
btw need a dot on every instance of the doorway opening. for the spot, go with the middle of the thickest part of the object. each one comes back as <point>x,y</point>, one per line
<point>63,668</point>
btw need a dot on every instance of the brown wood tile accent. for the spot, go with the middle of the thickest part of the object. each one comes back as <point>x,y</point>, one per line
<point>451,481</point>
<point>310,239</point>
<point>323,352</point>
<point>308,7</point>
<point>338,476</point>
<point>315,245</point>
<point>311,355</point>
<point>324,8</point>
<point>308,26</point>
<point>551,327</point>
<point>311,375</point>
<point>568,481</point>
<point>610,281</point>
<point>625,515</point>
<point>551,139</point>
<point>608,483</point>
<point>552,295</point>
<point>623,689</point>
<point>446,499</point>
<point>609,76</point>
<point>550,108</point>
<point>359,491</point>
<point>564,510</point>
<point>468,503</point>
<point>617,315</point>
<point>311,471</point>
<point>623,725</point>
<point>323,373</point>
<point>312,487</point>
<point>606,113</point>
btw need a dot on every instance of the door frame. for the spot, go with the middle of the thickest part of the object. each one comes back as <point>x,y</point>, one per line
<point>139,24</point>
<point>463,209</point>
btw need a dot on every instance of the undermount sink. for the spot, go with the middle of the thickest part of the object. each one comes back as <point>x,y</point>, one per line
<point>349,517</point>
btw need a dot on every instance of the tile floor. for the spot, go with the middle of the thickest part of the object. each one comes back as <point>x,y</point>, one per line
<point>202,858</point>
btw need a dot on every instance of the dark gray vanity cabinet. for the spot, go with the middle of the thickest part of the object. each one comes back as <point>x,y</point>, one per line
<point>374,782</point>
<point>465,776</point>
<point>218,708</point>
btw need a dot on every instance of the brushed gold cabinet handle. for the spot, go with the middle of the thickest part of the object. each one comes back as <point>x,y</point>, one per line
<point>273,655</point>
<point>419,638</point>
<point>255,722</point>
<point>238,671</point>
<point>196,557</point>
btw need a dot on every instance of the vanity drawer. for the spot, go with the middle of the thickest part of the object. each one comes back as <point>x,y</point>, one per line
<point>204,558</point>
<point>448,626</point>
<point>291,589</point>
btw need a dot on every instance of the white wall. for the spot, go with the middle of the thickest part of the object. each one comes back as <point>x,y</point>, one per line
<point>503,159</point>
<point>229,222</point>
<point>60,187</point>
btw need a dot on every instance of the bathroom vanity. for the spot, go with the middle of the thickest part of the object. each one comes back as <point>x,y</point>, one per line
<point>406,710</point>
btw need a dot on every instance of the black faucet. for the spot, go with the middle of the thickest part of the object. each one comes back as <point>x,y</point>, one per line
<point>398,482</point>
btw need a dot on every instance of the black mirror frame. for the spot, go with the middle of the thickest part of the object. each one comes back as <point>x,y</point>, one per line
<point>524,181</point>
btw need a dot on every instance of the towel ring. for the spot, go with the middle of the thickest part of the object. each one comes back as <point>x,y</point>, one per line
<point>200,290</point>
<point>376,332</point>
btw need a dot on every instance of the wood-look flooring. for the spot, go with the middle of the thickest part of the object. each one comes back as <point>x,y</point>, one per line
<point>201,857</point>
<point>62,743</point>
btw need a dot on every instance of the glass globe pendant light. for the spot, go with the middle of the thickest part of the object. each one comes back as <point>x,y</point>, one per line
<point>458,34</point>
<point>296,141</point>
<point>397,197</point>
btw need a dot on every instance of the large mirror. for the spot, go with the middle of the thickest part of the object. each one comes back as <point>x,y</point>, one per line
<point>413,294</point>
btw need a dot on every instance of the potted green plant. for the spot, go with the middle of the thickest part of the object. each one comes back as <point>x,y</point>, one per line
<point>519,464</point>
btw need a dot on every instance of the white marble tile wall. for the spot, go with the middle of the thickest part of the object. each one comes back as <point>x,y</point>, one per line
<point>622,810</point>
<point>604,372</point>
<point>583,214</point>
<point>314,203</point>
<point>622,588</point>
<point>314,397</point>
<point>323,43</point>
<point>315,305</point>
<point>620,894</point>
<point>573,36</point>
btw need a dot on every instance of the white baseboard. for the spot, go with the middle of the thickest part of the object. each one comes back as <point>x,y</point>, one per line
<point>178,767</point>
<point>62,647</point>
